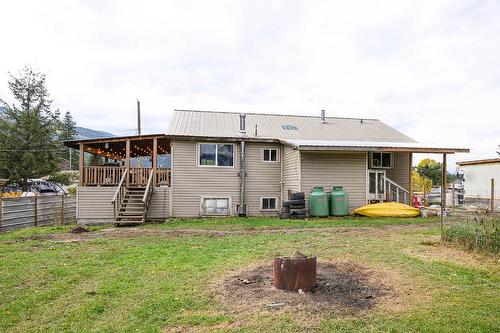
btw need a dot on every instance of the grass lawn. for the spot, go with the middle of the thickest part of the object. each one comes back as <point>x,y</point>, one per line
<point>160,277</point>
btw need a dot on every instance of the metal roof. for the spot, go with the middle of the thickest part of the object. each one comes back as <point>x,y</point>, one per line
<point>483,161</point>
<point>215,124</point>
<point>371,146</point>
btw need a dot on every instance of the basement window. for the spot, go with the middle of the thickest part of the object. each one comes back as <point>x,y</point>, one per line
<point>268,203</point>
<point>216,154</point>
<point>215,206</point>
<point>381,160</point>
<point>270,155</point>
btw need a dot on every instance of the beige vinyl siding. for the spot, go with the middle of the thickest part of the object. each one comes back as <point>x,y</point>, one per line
<point>262,178</point>
<point>160,203</point>
<point>399,172</point>
<point>192,182</point>
<point>291,171</point>
<point>347,169</point>
<point>94,205</point>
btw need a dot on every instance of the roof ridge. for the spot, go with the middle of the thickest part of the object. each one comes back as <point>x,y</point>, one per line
<point>273,114</point>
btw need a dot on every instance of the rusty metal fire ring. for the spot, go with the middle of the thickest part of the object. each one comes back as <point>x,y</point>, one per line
<point>294,273</point>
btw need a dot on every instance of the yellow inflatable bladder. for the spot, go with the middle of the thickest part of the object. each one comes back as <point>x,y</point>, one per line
<point>388,209</point>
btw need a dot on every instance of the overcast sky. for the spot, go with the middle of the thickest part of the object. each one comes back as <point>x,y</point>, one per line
<point>429,68</point>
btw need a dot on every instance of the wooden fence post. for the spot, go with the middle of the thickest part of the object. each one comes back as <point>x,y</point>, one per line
<point>36,209</point>
<point>62,209</point>
<point>492,195</point>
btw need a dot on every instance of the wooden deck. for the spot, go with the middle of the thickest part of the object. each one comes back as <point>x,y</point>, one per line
<point>111,175</point>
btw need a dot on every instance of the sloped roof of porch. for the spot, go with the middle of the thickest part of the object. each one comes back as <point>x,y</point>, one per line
<point>372,146</point>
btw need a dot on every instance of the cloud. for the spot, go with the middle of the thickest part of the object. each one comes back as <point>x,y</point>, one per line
<point>428,68</point>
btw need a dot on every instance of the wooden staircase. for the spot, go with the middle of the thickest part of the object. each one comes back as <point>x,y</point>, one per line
<point>132,208</point>
<point>130,203</point>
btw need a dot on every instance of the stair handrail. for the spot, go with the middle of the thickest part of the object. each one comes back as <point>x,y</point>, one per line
<point>119,193</point>
<point>147,194</point>
<point>398,188</point>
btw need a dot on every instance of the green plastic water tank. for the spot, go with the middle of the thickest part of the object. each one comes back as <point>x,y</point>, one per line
<point>319,202</point>
<point>339,202</point>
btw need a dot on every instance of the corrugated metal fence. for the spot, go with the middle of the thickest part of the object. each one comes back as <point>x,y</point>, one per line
<point>22,212</point>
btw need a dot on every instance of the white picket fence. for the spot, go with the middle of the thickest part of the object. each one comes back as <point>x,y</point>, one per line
<point>23,212</point>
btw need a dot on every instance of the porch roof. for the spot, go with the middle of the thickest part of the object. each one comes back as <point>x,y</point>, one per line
<point>414,147</point>
<point>115,147</point>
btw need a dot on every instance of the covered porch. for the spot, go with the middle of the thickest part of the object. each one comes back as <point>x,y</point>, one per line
<point>133,159</point>
<point>370,171</point>
<point>129,172</point>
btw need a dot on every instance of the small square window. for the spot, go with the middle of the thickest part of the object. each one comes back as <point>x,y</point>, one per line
<point>268,203</point>
<point>381,160</point>
<point>270,155</point>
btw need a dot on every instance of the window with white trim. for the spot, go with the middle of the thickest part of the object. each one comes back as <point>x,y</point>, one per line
<point>216,154</point>
<point>381,160</point>
<point>215,206</point>
<point>268,203</point>
<point>270,155</point>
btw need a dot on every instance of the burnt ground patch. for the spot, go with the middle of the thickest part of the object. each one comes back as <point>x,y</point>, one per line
<point>343,287</point>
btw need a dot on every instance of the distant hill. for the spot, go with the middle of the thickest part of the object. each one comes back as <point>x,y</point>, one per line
<point>83,132</point>
<point>87,133</point>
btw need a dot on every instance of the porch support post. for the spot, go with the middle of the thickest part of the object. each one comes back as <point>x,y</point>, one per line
<point>127,161</point>
<point>81,163</point>
<point>444,184</point>
<point>443,194</point>
<point>155,159</point>
<point>410,180</point>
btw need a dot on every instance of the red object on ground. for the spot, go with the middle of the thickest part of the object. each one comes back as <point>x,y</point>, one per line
<point>416,202</point>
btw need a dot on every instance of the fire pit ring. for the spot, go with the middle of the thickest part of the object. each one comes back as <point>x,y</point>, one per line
<point>295,272</point>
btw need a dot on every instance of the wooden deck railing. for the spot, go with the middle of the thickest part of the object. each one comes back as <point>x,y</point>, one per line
<point>111,176</point>
<point>163,177</point>
<point>102,175</point>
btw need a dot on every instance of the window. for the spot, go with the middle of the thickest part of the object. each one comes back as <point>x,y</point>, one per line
<point>270,155</point>
<point>216,154</point>
<point>381,160</point>
<point>215,206</point>
<point>268,203</point>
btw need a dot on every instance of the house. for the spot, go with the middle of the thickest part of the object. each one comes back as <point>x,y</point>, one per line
<point>224,163</point>
<point>477,185</point>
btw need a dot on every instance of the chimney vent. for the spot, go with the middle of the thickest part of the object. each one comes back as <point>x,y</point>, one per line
<point>243,131</point>
<point>323,119</point>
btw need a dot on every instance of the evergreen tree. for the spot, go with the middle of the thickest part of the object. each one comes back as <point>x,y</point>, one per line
<point>28,130</point>
<point>68,128</point>
<point>68,131</point>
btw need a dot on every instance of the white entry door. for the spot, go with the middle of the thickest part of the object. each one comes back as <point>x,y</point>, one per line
<point>376,185</point>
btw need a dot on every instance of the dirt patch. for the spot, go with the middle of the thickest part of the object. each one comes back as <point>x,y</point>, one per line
<point>343,287</point>
<point>78,230</point>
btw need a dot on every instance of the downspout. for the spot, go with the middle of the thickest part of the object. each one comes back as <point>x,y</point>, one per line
<point>241,210</point>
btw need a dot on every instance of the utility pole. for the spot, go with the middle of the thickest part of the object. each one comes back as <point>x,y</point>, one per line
<point>70,162</point>
<point>138,117</point>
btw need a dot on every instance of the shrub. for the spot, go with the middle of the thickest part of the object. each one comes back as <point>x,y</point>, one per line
<point>63,177</point>
<point>478,233</point>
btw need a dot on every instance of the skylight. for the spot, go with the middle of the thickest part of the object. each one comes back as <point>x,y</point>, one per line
<point>289,127</point>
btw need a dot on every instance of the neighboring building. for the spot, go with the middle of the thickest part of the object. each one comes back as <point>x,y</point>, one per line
<point>209,175</point>
<point>477,186</point>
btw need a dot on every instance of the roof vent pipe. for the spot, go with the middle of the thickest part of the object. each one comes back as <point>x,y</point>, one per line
<point>256,131</point>
<point>242,124</point>
<point>323,119</point>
